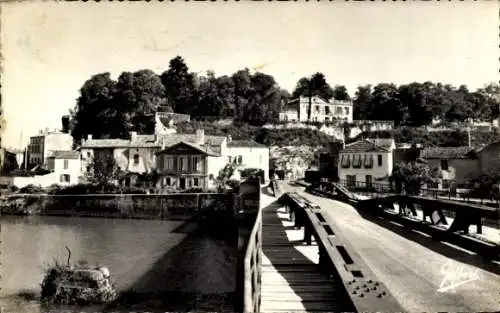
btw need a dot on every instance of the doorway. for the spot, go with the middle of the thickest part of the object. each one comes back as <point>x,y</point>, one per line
<point>182,183</point>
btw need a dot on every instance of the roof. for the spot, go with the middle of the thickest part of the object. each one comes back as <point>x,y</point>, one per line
<point>150,141</point>
<point>246,143</point>
<point>447,153</point>
<point>65,155</point>
<point>365,145</point>
<point>204,150</point>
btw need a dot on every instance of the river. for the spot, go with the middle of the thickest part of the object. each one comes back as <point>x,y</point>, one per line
<point>144,257</point>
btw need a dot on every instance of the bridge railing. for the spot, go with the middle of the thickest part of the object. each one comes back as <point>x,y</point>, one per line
<point>253,268</point>
<point>338,259</point>
<point>375,189</point>
<point>403,208</point>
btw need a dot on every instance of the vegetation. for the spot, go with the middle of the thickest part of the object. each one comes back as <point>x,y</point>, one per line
<point>443,138</point>
<point>272,137</point>
<point>412,176</point>
<point>416,104</point>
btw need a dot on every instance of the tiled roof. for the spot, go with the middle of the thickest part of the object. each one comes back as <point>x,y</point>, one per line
<point>65,154</point>
<point>245,143</point>
<point>148,141</point>
<point>205,150</point>
<point>447,153</point>
<point>365,146</point>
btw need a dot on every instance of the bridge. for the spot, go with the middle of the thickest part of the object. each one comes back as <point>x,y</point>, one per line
<point>327,249</point>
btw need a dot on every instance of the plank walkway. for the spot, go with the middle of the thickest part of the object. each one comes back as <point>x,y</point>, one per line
<point>291,281</point>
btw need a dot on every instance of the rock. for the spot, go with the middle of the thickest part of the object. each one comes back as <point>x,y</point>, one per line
<point>66,285</point>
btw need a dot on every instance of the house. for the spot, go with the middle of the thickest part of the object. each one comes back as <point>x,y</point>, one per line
<point>62,168</point>
<point>489,159</point>
<point>41,146</point>
<point>322,110</point>
<point>195,161</point>
<point>139,153</point>
<point>248,154</point>
<point>186,165</point>
<point>455,164</point>
<point>65,166</point>
<point>366,160</point>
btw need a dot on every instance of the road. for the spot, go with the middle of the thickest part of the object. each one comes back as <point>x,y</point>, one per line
<point>422,274</point>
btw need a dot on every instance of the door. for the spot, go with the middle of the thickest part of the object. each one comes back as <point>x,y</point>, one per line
<point>368,180</point>
<point>182,183</point>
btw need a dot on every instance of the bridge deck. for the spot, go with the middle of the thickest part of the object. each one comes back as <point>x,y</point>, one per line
<point>290,278</point>
<point>423,274</point>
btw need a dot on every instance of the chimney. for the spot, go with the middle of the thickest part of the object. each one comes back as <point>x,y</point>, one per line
<point>89,137</point>
<point>200,137</point>
<point>133,136</point>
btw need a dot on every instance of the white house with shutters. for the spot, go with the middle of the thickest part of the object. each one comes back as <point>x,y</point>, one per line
<point>322,111</point>
<point>365,161</point>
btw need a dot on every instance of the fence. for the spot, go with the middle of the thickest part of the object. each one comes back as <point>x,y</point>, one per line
<point>381,189</point>
<point>253,268</point>
<point>119,205</point>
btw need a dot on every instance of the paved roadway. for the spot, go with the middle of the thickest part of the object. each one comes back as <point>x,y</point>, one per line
<point>416,269</point>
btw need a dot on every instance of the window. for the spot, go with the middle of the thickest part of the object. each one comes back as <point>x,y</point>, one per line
<point>89,155</point>
<point>65,165</point>
<point>345,161</point>
<point>327,110</point>
<point>196,164</point>
<point>356,161</point>
<point>136,159</point>
<point>183,164</point>
<point>168,181</point>
<point>195,182</point>
<point>338,111</point>
<point>169,163</point>
<point>444,165</point>
<point>211,176</point>
<point>64,178</point>
<point>346,110</point>
<point>317,108</point>
<point>379,160</point>
<point>327,120</point>
<point>368,162</point>
<point>229,159</point>
<point>240,159</point>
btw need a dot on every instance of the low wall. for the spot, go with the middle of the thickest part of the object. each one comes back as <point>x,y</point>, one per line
<point>162,206</point>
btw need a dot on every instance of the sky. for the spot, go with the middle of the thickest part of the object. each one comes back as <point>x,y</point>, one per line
<point>50,49</point>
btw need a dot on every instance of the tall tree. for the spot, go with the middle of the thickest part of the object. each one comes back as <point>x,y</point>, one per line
<point>340,93</point>
<point>314,86</point>
<point>138,96</point>
<point>362,104</point>
<point>386,104</point>
<point>179,86</point>
<point>215,96</point>
<point>96,112</point>
<point>416,97</point>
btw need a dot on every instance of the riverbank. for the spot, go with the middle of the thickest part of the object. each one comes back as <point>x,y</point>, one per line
<point>135,206</point>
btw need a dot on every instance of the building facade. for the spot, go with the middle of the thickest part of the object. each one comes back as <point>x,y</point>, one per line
<point>365,161</point>
<point>41,146</point>
<point>456,165</point>
<point>65,166</point>
<point>322,111</point>
<point>185,166</point>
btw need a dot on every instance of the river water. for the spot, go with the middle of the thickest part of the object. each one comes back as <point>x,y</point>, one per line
<point>144,257</point>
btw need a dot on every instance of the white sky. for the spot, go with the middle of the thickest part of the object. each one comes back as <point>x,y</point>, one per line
<point>50,49</point>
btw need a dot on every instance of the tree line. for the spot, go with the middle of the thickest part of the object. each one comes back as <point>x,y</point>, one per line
<point>108,108</point>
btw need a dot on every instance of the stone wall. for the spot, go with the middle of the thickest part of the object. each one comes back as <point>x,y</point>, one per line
<point>163,206</point>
